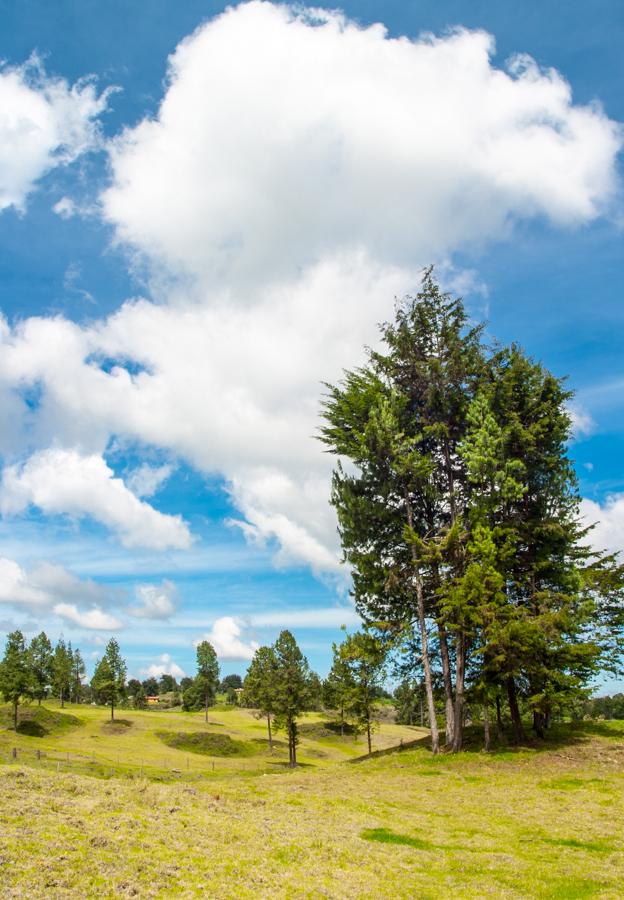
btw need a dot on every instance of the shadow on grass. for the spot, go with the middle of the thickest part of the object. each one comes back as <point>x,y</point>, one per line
<point>385,836</point>
<point>560,736</point>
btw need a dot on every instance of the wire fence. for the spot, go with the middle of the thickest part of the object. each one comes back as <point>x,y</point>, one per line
<point>106,767</point>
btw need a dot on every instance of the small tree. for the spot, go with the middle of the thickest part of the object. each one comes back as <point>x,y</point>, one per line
<point>41,665</point>
<point>15,673</point>
<point>78,672</point>
<point>292,689</point>
<point>139,698</point>
<point>110,676</point>
<point>260,685</point>
<point>337,687</point>
<point>207,679</point>
<point>61,670</point>
<point>365,657</point>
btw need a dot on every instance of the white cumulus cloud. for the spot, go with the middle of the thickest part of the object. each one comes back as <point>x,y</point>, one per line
<point>44,122</point>
<point>91,618</point>
<point>65,481</point>
<point>225,637</point>
<point>164,666</point>
<point>157,601</point>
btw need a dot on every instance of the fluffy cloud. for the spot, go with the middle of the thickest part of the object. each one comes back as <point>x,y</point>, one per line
<point>65,481</point>
<point>92,618</point>
<point>146,480</point>
<point>608,518</point>
<point>225,637</point>
<point>279,207</point>
<point>51,587</point>
<point>334,137</point>
<point>164,666</point>
<point>45,122</point>
<point>156,601</point>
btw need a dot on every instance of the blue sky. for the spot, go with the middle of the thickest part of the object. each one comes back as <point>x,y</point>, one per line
<point>177,280</point>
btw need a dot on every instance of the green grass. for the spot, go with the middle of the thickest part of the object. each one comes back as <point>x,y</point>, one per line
<point>544,822</point>
<point>207,743</point>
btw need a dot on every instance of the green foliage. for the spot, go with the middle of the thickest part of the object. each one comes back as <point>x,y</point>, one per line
<point>207,678</point>
<point>62,670</point>
<point>139,698</point>
<point>15,673</point>
<point>292,694</point>
<point>363,656</point>
<point>77,674</point>
<point>40,661</point>
<point>109,678</point>
<point>408,701</point>
<point>459,517</point>
<point>192,698</point>
<point>207,743</point>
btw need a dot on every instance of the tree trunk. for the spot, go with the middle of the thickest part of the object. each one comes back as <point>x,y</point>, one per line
<point>449,711</point>
<point>341,722</point>
<point>270,735</point>
<point>422,711</point>
<point>368,737</point>
<point>500,732</point>
<point>486,724</point>
<point>15,702</point>
<point>539,724</point>
<point>112,710</point>
<point>460,666</point>
<point>291,744</point>
<point>433,725</point>
<point>420,601</point>
<point>38,701</point>
<point>62,699</point>
<point>514,711</point>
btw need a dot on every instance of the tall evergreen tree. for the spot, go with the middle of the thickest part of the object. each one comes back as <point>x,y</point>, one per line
<point>292,689</point>
<point>364,656</point>
<point>78,672</point>
<point>207,679</point>
<point>337,687</point>
<point>260,685</point>
<point>109,678</point>
<point>41,664</point>
<point>61,670</point>
<point>15,672</point>
<point>460,518</point>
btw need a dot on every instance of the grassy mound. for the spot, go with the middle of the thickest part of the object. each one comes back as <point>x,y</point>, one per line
<point>206,742</point>
<point>118,726</point>
<point>324,729</point>
<point>38,721</point>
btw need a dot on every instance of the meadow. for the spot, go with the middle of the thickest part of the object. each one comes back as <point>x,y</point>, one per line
<point>136,812</point>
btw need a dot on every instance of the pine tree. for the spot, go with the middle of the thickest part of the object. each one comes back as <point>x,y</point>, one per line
<point>292,689</point>
<point>364,657</point>
<point>207,679</point>
<point>15,673</point>
<point>109,677</point>
<point>337,687</point>
<point>260,685</point>
<point>61,670</point>
<point>41,665</point>
<point>78,672</point>
<point>459,517</point>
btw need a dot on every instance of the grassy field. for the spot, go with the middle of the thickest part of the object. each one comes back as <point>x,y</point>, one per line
<point>544,823</point>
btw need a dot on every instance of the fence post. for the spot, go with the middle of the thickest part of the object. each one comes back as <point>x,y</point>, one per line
<point>14,754</point>
<point>38,755</point>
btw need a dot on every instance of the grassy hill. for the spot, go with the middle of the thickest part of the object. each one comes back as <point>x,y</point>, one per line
<point>543,823</point>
